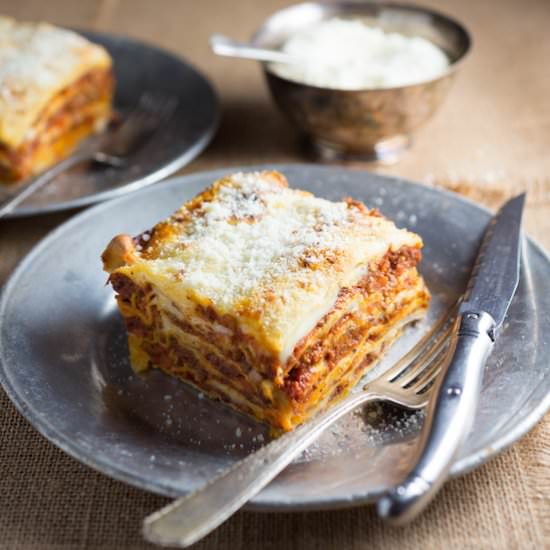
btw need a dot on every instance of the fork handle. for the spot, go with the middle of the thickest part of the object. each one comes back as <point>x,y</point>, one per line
<point>449,419</point>
<point>193,516</point>
<point>41,180</point>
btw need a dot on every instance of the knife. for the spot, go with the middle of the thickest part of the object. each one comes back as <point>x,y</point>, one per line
<point>453,404</point>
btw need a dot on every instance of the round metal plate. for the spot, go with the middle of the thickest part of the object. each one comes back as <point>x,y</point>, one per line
<point>139,67</point>
<point>64,360</point>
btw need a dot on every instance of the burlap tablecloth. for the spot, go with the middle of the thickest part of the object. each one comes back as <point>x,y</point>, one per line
<point>491,137</point>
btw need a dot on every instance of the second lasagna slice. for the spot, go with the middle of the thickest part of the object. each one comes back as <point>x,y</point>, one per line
<point>265,297</point>
<point>56,89</point>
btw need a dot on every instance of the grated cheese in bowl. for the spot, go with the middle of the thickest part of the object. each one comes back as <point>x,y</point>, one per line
<point>347,54</point>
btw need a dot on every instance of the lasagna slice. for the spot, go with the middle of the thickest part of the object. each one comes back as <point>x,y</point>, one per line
<point>56,88</point>
<point>267,298</point>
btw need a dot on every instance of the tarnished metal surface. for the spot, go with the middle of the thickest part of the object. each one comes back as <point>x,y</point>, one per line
<point>64,359</point>
<point>369,124</point>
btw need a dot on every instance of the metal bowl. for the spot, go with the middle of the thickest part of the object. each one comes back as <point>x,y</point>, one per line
<point>367,124</point>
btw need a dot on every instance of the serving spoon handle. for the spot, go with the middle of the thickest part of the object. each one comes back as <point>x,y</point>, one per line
<point>222,45</point>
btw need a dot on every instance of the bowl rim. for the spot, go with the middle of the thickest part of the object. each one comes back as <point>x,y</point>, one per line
<point>364,6</point>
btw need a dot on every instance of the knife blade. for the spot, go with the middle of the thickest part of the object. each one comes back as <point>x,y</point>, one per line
<point>495,275</point>
<point>454,401</point>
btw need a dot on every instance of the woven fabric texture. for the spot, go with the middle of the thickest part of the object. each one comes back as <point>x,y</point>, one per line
<point>489,140</point>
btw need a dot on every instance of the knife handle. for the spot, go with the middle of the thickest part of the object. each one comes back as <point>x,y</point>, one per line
<point>449,418</point>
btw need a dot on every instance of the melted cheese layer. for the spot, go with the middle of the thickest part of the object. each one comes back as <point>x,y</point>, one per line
<point>271,257</point>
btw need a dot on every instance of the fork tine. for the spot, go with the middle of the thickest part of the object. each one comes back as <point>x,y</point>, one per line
<point>131,121</point>
<point>159,103</point>
<point>427,383</point>
<point>421,363</point>
<point>132,115</point>
<point>148,99</point>
<point>148,110</point>
<point>166,108</point>
<point>151,110</point>
<point>169,107</point>
<point>429,375</point>
<point>426,346</point>
<point>431,365</point>
<point>408,382</point>
<point>139,117</point>
<point>155,109</point>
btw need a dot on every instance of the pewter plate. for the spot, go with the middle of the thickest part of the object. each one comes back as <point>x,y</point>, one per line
<point>64,360</point>
<point>138,67</point>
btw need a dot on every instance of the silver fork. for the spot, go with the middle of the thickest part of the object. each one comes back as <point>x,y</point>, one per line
<point>407,383</point>
<point>152,110</point>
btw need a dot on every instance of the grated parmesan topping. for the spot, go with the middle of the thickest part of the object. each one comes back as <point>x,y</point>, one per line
<point>348,54</point>
<point>254,233</point>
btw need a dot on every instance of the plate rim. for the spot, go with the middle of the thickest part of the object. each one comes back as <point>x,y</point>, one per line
<point>148,179</point>
<point>459,467</point>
